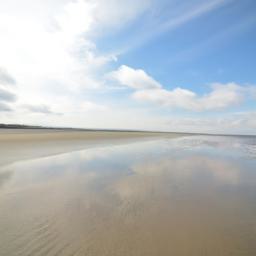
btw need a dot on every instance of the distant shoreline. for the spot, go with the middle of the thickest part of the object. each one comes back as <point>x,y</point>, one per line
<point>33,127</point>
<point>45,128</point>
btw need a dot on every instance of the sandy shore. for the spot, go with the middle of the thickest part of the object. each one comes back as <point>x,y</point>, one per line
<point>22,144</point>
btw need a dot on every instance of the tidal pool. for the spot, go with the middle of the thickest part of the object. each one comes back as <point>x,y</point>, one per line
<point>188,196</point>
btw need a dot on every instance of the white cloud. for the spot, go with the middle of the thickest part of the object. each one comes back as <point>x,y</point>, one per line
<point>6,95</point>
<point>147,89</point>
<point>91,106</point>
<point>50,48</point>
<point>40,109</point>
<point>5,78</point>
<point>114,14</point>
<point>134,78</point>
<point>242,122</point>
<point>221,97</point>
<point>4,107</point>
<point>50,63</point>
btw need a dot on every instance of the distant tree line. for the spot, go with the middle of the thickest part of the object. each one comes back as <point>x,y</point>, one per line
<point>21,126</point>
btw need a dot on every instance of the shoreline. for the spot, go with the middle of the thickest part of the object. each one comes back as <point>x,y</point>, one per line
<point>24,144</point>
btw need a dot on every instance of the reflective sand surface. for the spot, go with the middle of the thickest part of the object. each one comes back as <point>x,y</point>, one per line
<point>187,196</point>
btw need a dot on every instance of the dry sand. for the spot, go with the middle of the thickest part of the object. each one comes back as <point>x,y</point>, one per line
<point>22,144</point>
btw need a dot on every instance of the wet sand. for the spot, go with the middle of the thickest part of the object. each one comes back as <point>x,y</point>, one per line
<point>189,196</point>
<point>22,144</point>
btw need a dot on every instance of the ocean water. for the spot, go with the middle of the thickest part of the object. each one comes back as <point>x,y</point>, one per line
<point>191,196</point>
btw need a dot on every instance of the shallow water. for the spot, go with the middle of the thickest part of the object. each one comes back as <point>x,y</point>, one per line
<point>187,196</point>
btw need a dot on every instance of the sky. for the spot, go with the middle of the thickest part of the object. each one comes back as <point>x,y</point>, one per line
<point>167,65</point>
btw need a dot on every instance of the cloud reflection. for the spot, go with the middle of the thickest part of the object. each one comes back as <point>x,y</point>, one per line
<point>170,174</point>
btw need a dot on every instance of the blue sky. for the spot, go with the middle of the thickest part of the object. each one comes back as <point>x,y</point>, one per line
<point>151,65</point>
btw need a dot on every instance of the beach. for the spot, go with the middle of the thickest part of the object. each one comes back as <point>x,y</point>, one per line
<point>132,195</point>
<point>22,144</point>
